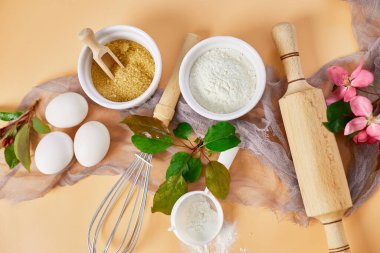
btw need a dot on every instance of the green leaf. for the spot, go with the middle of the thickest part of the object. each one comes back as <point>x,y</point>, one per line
<point>218,179</point>
<point>338,115</point>
<point>22,146</point>
<point>177,164</point>
<point>221,137</point>
<point>9,116</point>
<point>337,125</point>
<point>183,131</point>
<point>182,162</point>
<point>10,156</point>
<point>168,193</point>
<point>193,170</point>
<point>338,109</point>
<point>39,126</point>
<point>143,125</point>
<point>151,146</point>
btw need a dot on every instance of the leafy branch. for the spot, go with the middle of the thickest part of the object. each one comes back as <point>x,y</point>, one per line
<point>151,136</point>
<point>15,137</point>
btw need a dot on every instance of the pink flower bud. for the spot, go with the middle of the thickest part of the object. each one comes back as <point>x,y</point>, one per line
<point>361,137</point>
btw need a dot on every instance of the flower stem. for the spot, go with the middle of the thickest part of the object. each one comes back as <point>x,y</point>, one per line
<point>186,144</point>
<point>25,118</point>
<point>182,146</point>
<point>369,92</point>
<point>205,155</point>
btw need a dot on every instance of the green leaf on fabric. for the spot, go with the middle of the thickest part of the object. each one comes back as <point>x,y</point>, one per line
<point>221,137</point>
<point>193,170</point>
<point>22,146</point>
<point>9,116</point>
<point>183,131</point>
<point>143,125</point>
<point>151,146</point>
<point>10,156</point>
<point>217,179</point>
<point>338,109</point>
<point>39,126</point>
<point>168,193</point>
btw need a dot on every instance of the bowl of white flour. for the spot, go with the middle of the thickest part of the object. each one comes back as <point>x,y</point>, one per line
<point>222,78</point>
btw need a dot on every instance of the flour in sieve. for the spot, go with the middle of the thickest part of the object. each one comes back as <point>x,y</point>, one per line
<point>222,80</point>
<point>197,220</point>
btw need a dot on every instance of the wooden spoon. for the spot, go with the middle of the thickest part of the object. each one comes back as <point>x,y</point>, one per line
<point>101,54</point>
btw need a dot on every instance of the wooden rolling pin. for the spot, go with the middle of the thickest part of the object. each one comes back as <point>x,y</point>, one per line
<point>315,153</point>
<point>165,108</point>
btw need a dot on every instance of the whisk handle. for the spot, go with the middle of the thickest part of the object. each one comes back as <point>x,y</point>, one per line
<point>165,108</point>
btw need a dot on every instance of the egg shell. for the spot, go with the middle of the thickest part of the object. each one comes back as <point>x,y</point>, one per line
<point>66,110</point>
<point>91,143</point>
<point>54,152</point>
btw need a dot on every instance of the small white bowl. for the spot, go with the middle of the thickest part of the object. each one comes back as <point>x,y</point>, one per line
<point>109,34</point>
<point>221,42</point>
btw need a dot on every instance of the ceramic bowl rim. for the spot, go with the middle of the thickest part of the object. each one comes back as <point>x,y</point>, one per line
<point>214,42</point>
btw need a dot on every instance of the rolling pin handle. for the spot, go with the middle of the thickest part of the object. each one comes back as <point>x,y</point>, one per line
<point>336,238</point>
<point>284,35</point>
<point>165,108</point>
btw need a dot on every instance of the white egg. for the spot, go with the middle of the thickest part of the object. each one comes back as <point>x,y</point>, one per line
<point>66,110</point>
<point>91,143</point>
<point>54,152</point>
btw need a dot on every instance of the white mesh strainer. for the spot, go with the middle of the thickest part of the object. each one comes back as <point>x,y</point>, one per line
<point>195,202</point>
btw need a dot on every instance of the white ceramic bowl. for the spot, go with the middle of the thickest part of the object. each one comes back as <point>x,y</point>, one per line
<point>104,36</point>
<point>221,42</point>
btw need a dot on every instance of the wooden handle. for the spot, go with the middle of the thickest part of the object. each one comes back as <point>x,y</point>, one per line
<point>284,36</point>
<point>165,108</point>
<point>87,36</point>
<point>336,238</point>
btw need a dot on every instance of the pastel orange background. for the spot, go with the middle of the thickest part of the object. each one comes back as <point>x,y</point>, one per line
<point>38,41</point>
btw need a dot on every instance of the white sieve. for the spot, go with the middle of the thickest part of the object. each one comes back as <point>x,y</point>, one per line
<point>178,225</point>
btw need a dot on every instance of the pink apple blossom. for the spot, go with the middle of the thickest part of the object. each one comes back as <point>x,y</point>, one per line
<point>347,85</point>
<point>365,121</point>
<point>362,137</point>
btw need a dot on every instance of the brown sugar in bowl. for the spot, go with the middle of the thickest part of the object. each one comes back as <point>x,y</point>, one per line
<point>114,33</point>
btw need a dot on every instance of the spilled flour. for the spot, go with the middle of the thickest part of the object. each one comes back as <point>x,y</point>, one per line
<point>221,244</point>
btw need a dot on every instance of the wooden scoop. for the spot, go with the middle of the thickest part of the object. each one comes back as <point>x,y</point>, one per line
<point>101,54</point>
<point>315,153</point>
